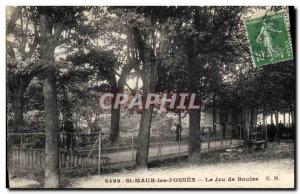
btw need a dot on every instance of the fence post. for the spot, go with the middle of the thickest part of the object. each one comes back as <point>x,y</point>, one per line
<point>59,160</point>
<point>240,135</point>
<point>118,149</point>
<point>179,140</point>
<point>32,161</point>
<point>71,137</point>
<point>132,154</point>
<point>266,136</point>
<point>21,140</point>
<point>221,143</point>
<point>99,152</point>
<point>231,138</point>
<point>159,149</point>
<point>208,143</point>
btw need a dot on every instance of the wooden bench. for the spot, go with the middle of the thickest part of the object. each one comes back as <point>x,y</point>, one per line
<point>258,144</point>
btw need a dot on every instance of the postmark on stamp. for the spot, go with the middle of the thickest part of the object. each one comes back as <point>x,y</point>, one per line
<point>269,39</point>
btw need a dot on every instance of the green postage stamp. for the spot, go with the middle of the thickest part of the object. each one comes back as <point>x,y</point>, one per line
<point>269,39</point>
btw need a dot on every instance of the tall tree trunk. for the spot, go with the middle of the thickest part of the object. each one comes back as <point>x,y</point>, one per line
<point>194,135</point>
<point>18,108</point>
<point>251,119</point>
<point>16,90</point>
<point>178,127</point>
<point>263,116</point>
<point>245,126</point>
<point>150,63</point>
<point>272,122</point>
<point>51,146</point>
<point>68,120</point>
<point>115,126</point>
<point>194,114</point>
<point>143,140</point>
<point>276,117</point>
<point>214,114</point>
<point>255,117</point>
<point>292,117</point>
<point>115,113</point>
<point>67,114</point>
<point>146,118</point>
<point>119,87</point>
<point>50,100</point>
<point>284,121</point>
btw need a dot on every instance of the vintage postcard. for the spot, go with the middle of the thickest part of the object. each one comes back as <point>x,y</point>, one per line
<point>150,97</point>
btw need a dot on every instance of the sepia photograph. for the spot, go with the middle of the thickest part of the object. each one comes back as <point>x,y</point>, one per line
<point>150,97</point>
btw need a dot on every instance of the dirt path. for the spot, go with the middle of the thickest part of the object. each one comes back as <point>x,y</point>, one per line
<point>156,151</point>
<point>245,175</point>
<point>240,168</point>
<point>273,167</point>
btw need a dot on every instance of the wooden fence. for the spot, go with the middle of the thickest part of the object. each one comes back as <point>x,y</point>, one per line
<point>24,159</point>
<point>34,159</point>
<point>82,156</point>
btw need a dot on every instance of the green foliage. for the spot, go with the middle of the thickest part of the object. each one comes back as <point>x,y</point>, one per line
<point>193,49</point>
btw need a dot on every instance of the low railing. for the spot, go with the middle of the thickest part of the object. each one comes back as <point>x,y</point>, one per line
<point>88,159</point>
